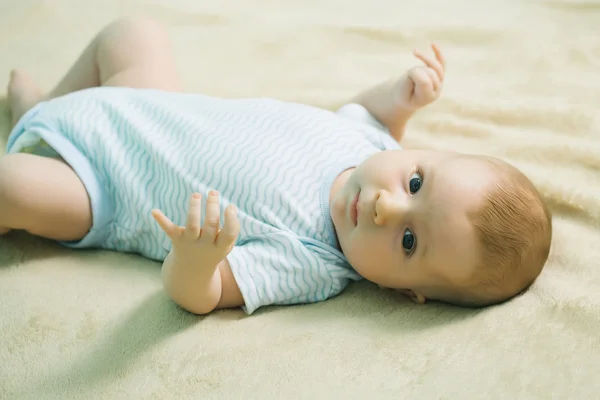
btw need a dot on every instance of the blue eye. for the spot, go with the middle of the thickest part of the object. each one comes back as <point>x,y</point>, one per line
<point>409,241</point>
<point>415,182</point>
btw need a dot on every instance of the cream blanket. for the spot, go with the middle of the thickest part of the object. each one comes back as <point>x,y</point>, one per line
<point>523,83</point>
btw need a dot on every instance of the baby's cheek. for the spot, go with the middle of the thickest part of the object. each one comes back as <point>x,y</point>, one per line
<point>372,249</point>
<point>357,253</point>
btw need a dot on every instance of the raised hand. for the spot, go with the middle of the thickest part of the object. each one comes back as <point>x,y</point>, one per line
<point>204,245</point>
<point>421,85</point>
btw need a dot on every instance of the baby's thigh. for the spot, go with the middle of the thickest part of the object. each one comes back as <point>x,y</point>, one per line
<point>136,52</point>
<point>43,196</point>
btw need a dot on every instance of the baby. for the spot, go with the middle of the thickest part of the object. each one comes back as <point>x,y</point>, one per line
<point>299,201</point>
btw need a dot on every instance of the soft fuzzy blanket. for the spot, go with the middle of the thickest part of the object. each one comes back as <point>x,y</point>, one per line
<point>523,83</point>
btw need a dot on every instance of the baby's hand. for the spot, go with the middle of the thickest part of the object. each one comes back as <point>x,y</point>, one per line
<point>207,245</point>
<point>421,85</point>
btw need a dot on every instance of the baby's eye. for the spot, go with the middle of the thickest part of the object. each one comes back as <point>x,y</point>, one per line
<point>415,182</point>
<point>409,241</point>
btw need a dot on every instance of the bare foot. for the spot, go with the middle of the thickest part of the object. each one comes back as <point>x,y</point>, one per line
<point>23,94</point>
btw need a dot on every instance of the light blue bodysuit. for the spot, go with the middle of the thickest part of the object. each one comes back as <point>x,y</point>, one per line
<point>140,149</point>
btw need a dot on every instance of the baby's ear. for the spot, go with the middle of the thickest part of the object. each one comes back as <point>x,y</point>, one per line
<point>416,297</point>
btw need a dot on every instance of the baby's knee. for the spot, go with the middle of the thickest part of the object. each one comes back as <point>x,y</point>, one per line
<point>137,28</point>
<point>128,42</point>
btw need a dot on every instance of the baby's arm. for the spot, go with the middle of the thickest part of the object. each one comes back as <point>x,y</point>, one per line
<point>196,273</point>
<point>395,101</point>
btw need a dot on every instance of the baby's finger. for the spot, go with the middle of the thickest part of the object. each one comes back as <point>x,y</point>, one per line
<point>431,63</point>
<point>439,55</point>
<point>192,226</point>
<point>421,79</point>
<point>437,84</point>
<point>173,231</point>
<point>212,218</point>
<point>231,229</point>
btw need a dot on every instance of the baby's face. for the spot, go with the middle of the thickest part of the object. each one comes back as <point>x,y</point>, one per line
<point>402,218</point>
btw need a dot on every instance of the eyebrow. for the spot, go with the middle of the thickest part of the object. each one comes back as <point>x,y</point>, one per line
<point>425,246</point>
<point>426,226</point>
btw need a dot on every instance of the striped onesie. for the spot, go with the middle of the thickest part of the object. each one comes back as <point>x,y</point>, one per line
<point>140,149</point>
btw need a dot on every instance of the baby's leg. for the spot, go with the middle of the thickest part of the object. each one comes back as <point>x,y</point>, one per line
<point>43,196</point>
<point>133,52</point>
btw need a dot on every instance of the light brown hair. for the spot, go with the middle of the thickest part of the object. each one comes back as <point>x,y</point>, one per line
<point>513,228</point>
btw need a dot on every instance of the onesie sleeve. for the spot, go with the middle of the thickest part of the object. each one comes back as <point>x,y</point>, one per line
<point>369,126</point>
<point>278,269</point>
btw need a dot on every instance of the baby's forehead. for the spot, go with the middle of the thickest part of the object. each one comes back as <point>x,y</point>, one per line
<point>460,179</point>
<point>470,162</point>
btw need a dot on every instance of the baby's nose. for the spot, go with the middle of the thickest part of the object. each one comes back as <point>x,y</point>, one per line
<point>389,208</point>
